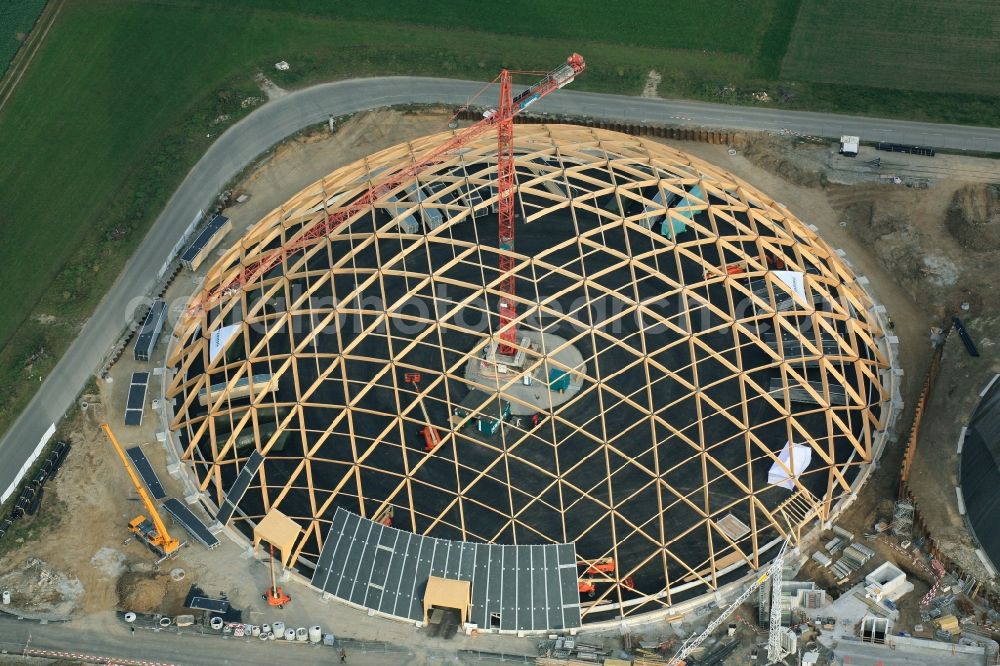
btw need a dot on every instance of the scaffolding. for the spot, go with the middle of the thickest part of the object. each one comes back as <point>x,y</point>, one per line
<point>902,519</point>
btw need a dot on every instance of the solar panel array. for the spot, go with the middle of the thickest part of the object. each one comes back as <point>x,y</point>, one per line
<point>136,398</point>
<point>190,523</point>
<point>145,470</point>
<point>514,587</point>
<point>239,487</point>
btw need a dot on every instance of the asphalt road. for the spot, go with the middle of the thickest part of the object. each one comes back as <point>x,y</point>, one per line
<point>112,643</point>
<point>277,119</point>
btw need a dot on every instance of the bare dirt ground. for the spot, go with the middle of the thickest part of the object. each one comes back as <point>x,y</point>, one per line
<point>912,243</point>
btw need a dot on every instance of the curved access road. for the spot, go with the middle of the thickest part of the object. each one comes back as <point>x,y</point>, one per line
<point>279,118</point>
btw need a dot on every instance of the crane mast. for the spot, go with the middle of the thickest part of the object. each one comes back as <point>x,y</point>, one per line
<point>507,109</point>
<point>506,216</point>
<point>773,571</point>
<point>501,118</point>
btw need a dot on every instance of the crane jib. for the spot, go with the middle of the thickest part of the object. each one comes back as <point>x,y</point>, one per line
<point>554,80</point>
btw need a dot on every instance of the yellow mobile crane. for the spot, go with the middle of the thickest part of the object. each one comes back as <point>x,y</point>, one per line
<point>150,530</point>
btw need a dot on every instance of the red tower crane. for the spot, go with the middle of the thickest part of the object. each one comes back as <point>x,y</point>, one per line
<point>503,119</point>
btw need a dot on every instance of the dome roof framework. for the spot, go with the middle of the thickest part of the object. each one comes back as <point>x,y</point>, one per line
<point>694,375</point>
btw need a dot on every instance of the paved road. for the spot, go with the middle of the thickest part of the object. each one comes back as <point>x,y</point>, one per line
<point>110,640</point>
<point>277,119</point>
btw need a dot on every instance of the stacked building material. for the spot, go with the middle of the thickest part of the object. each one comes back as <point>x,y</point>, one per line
<point>854,557</point>
<point>571,648</point>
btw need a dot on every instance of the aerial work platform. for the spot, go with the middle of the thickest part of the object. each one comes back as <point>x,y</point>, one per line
<point>514,588</point>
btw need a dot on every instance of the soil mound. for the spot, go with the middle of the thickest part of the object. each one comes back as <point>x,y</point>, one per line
<point>141,593</point>
<point>973,218</point>
<point>762,151</point>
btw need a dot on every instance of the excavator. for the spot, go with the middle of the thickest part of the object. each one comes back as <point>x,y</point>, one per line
<point>151,531</point>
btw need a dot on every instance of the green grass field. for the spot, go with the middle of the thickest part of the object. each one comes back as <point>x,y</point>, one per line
<point>714,25</point>
<point>118,102</point>
<point>924,45</point>
<point>16,19</point>
<point>124,96</point>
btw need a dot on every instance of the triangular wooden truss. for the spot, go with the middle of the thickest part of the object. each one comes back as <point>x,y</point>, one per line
<point>344,412</point>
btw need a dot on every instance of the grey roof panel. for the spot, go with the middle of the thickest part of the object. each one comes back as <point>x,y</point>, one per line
<point>239,487</point>
<point>190,523</point>
<point>152,325</point>
<point>201,240</point>
<point>386,569</point>
<point>145,470</point>
<point>136,400</point>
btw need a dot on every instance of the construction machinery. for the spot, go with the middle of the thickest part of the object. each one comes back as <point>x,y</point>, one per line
<point>151,531</point>
<point>774,649</point>
<point>432,438</point>
<point>502,119</point>
<point>588,586</point>
<point>385,516</point>
<point>597,572</point>
<point>274,595</point>
<point>603,565</point>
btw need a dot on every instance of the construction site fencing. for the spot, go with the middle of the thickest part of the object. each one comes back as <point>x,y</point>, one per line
<point>918,417</point>
<point>920,527</point>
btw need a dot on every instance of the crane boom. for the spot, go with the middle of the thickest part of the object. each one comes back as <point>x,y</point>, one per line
<point>163,540</point>
<point>319,229</point>
<point>691,644</point>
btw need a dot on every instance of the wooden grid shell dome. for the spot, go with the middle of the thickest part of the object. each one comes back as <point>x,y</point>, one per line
<point>715,329</point>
